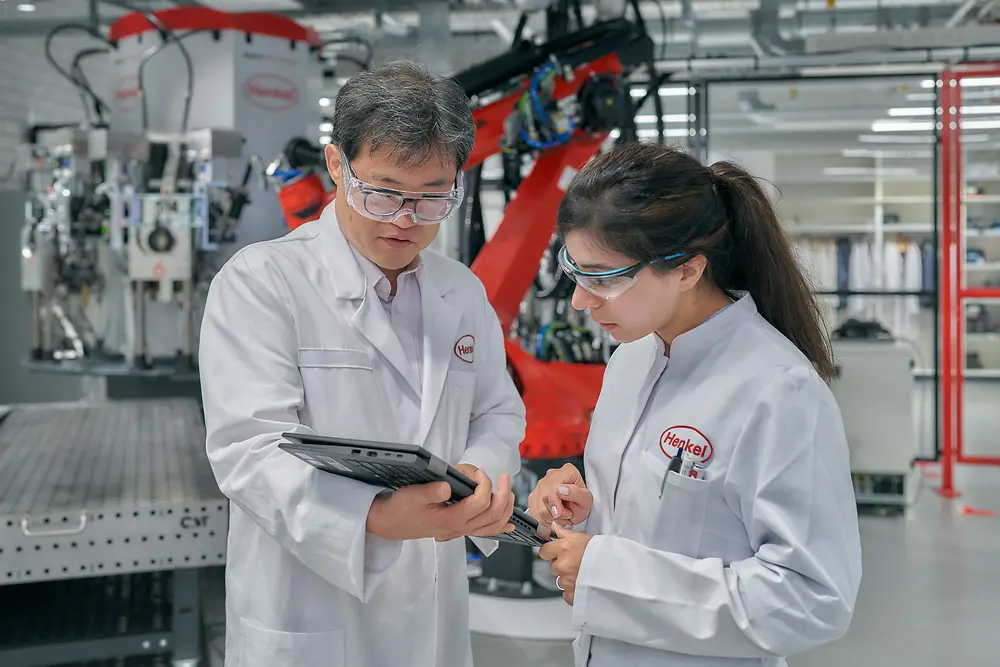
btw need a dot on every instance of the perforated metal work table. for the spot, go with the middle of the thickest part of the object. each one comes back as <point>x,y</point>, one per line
<point>106,490</point>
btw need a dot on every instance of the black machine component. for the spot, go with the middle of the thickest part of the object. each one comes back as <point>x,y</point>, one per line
<point>154,168</point>
<point>302,154</point>
<point>473,231</point>
<point>161,239</point>
<point>854,329</point>
<point>604,104</point>
<point>627,39</point>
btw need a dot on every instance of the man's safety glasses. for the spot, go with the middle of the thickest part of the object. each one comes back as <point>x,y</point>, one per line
<point>387,205</point>
<point>610,283</point>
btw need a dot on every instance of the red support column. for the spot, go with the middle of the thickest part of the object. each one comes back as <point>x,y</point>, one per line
<point>958,240</point>
<point>965,293</point>
<point>946,286</point>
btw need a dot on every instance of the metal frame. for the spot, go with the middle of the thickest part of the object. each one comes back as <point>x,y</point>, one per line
<point>175,626</point>
<point>937,233</point>
<point>110,490</point>
<point>953,289</point>
<point>89,489</point>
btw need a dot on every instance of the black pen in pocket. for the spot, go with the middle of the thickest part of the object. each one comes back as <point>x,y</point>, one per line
<point>675,466</point>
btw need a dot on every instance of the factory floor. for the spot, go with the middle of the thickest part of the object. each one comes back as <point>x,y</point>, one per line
<point>929,596</point>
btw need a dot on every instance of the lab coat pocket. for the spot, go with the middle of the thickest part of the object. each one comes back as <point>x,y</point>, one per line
<point>271,648</point>
<point>680,514</point>
<point>338,385</point>
<point>316,357</point>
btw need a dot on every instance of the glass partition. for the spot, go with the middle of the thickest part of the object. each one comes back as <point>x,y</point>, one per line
<point>851,164</point>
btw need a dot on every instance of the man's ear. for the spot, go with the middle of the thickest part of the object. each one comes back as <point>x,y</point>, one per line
<point>334,165</point>
<point>692,271</point>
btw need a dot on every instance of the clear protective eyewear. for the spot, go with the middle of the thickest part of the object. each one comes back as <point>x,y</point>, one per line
<point>388,205</point>
<point>610,283</point>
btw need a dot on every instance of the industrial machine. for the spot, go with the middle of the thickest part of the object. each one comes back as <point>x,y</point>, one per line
<point>116,223</point>
<point>111,504</point>
<point>875,391</point>
<point>129,219</point>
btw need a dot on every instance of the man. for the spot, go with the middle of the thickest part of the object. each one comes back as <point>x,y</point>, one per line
<point>348,327</point>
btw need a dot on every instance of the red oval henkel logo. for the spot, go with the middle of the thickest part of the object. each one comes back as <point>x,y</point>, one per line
<point>271,92</point>
<point>465,348</point>
<point>127,92</point>
<point>688,439</point>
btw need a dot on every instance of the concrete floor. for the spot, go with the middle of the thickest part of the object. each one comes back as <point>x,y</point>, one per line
<point>930,596</point>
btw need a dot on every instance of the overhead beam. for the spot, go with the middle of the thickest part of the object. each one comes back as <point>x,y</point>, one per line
<point>478,21</point>
<point>961,14</point>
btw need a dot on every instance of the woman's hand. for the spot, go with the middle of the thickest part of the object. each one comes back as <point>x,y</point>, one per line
<point>562,497</point>
<point>566,555</point>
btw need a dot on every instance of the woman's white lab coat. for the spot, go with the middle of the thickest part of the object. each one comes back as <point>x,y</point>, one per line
<point>294,339</point>
<point>758,559</point>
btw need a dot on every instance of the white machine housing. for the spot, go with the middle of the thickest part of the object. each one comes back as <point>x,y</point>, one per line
<point>265,88</point>
<point>255,85</point>
<point>875,392</point>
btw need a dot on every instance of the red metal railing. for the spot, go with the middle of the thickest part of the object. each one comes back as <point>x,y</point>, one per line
<point>953,292</point>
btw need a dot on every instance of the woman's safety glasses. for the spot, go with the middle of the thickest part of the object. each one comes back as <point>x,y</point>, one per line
<point>387,205</point>
<point>606,284</point>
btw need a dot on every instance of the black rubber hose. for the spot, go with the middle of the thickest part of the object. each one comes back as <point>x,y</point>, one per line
<point>77,71</point>
<point>658,108</point>
<point>173,38</point>
<point>66,75</point>
<point>354,39</point>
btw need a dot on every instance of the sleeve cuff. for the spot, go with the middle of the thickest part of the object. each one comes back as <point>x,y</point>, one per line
<point>380,556</point>
<point>371,557</point>
<point>483,457</point>
<point>591,560</point>
<point>486,546</point>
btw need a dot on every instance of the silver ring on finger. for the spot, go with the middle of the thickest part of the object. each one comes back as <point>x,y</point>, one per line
<point>558,586</point>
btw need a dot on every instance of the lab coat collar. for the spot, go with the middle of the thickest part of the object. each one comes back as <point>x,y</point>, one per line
<point>441,322</point>
<point>378,280</point>
<point>692,345</point>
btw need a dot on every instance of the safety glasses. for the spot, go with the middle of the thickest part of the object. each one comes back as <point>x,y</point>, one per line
<point>387,205</point>
<point>610,283</point>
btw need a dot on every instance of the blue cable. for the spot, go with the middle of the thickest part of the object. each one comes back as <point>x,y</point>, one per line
<point>543,116</point>
<point>540,340</point>
<point>287,175</point>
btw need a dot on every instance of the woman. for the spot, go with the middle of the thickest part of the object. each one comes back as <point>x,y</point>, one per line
<point>717,525</point>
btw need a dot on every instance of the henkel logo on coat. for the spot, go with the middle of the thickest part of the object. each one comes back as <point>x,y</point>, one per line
<point>271,92</point>
<point>465,348</point>
<point>688,439</point>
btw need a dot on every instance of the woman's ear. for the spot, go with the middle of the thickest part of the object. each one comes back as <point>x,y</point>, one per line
<point>692,271</point>
<point>333,164</point>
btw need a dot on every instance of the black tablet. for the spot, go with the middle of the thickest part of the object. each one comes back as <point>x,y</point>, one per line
<point>394,466</point>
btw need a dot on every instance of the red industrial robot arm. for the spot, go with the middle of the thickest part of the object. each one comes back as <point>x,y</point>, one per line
<point>559,397</point>
<point>507,264</point>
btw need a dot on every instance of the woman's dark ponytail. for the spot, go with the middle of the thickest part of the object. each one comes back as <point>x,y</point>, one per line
<point>762,263</point>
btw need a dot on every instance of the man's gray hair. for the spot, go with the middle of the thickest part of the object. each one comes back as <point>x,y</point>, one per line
<point>401,108</point>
